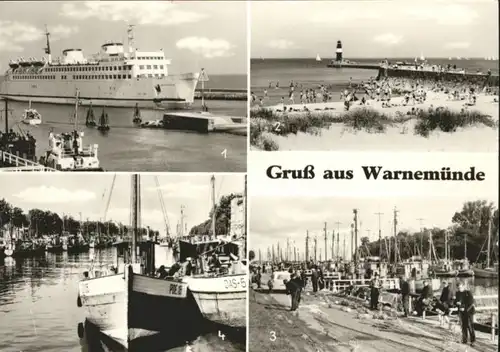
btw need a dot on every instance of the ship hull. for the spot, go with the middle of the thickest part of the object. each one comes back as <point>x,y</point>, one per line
<point>172,92</point>
<point>485,273</point>
<point>153,302</point>
<point>221,300</point>
<point>130,307</point>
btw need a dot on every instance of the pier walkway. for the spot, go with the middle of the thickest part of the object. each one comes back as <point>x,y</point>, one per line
<point>11,162</point>
<point>322,325</point>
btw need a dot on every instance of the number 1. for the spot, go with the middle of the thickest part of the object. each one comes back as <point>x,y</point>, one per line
<point>224,153</point>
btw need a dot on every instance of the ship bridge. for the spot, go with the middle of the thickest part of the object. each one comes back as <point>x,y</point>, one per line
<point>73,57</point>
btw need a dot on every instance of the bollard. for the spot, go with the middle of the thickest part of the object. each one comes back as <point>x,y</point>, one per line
<point>423,314</point>
<point>409,306</point>
<point>493,322</point>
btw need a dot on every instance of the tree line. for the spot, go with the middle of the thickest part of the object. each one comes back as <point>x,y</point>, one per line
<point>41,223</point>
<point>469,225</point>
<point>222,218</point>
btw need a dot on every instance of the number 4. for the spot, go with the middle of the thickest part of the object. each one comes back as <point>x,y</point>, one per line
<point>221,335</point>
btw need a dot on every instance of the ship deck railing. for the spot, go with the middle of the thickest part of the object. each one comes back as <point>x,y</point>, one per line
<point>17,163</point>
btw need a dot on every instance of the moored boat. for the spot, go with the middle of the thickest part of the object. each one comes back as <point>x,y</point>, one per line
<point>221,299</point>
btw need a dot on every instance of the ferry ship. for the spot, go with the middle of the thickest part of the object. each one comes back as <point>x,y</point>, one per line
<point>118,76</point>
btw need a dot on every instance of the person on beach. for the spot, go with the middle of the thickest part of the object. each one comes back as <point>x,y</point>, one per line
<point>405,295</point>
<point>465,302</point>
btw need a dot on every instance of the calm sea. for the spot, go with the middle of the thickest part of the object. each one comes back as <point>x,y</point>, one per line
<point>311,73</point>
<point>38,306</point>
<point>128,148</point>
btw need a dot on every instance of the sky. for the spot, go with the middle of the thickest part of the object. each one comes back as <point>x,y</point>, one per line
<point>375,29</point>
<point>273,220</point>
<point>88,193</point>
<point>193,34</point>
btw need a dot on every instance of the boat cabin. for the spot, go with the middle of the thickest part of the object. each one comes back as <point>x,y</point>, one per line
<point>145,254</point>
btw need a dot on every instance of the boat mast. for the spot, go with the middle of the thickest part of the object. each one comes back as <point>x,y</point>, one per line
<point>245,219</point>
<point>135,211</point>
<point>489,243</point>
<point>465,246</point>
<point>446,246</point>
<point>212,182</point>
<point>47,49</point>
<point>77,97</point>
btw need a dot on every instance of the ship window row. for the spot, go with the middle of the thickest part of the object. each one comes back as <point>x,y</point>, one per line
<point>150,58</point>
<point>46,77</point>
<point>149,67</point>
<point>89,68</point>
<point>150,75</point>
<point>102,77</point>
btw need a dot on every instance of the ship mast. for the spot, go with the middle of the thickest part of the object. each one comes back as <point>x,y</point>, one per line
<point>130,44</point>
<point>77,98</point>
<point>212,182</point>
<point>135,212</point>
<point>47,48</point>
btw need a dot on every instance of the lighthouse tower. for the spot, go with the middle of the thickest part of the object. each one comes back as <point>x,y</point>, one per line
<point>338,52</point>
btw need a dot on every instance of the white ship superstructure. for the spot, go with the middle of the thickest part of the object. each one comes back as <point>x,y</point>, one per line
<point>117,76</point>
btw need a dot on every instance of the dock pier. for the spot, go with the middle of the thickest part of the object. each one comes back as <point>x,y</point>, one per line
<point>12,162</point>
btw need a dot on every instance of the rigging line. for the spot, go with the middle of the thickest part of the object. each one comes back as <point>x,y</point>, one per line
<point>162,204</point>
<point>109,197</point>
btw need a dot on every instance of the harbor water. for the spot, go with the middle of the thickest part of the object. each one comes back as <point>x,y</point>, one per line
<point>129,148</point>
<point>38,306</point>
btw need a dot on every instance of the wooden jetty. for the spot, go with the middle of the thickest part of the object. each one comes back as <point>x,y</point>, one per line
<point>12,162</point>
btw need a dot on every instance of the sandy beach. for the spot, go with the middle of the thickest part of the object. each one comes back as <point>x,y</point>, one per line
<point>397,136</point>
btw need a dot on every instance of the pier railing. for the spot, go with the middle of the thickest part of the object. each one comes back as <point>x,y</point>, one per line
<point>338,285</point>
<point>17,163</point>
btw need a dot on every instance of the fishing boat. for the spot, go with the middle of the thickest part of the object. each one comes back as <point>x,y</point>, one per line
<point>221,296</point>
<point>463,267</point>
<point>103,121</point>
<point>488,271</point>
<point>444,267</point>
<point>31,116</point>
<point>67,153</point>
<point>90,118</point>
<point>318,58</point>
<point>137,115</point>
<point>128,302</point>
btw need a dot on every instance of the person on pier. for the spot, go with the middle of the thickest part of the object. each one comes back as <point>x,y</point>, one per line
<point>405,295</point>
<point>425,299</point>
<point>374,294</point>
<point>465,302</point>
<point>294,289</point>
<point>446,301</point>
<point>314,279</point>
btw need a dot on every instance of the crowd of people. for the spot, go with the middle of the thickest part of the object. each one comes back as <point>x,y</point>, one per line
<point>412,90</point>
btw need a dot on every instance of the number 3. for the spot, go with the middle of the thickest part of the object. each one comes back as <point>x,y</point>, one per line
<point>273,336</point>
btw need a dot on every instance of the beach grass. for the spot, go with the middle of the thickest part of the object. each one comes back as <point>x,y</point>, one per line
<point>449,121</point>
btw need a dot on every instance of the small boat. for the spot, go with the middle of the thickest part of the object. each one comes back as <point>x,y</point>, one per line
<point>31,116</point>
<point>67,153</point>
<point>137,115</point>
<point>90,118</point>
<point>486,272</point>
<point>318,58</point>
<point>103,121</point>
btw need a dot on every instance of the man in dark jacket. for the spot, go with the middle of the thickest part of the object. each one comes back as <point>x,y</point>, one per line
<point>465,303</point>
<point>404,287</point>
<point>425,298</point>
<point>374,294</point>
<point>294,289</point>
<point>314,279</point>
